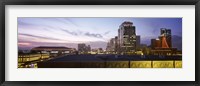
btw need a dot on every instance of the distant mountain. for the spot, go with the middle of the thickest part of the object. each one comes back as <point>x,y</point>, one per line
<point>177,42</point>
<point>24,48</point>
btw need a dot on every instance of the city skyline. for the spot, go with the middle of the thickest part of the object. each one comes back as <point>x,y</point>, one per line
<point>59,32</point>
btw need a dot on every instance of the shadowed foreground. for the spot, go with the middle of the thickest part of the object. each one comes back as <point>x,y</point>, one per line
<point>112,61</point>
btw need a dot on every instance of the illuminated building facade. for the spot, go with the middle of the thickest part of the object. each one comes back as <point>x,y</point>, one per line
<point>26,58</point>
<point>126,42</point>
<point>163,41</point>
<point>126,38</point>
<point>165,37</point>
<point>53,50</point>
<point>163,45</point>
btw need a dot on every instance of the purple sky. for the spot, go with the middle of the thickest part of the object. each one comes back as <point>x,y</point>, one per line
<point>69,32</point>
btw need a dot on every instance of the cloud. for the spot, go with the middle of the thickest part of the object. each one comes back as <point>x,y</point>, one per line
<point>50,38</point>
<point>23,23</point>
<point>96,35</point>
<point>106,32</point>
<point>46,27</point>
<point>62,20</point>
<point>72,22</point>
<point>72,33</point>
<point>24,44</point>
<point>93,35</point>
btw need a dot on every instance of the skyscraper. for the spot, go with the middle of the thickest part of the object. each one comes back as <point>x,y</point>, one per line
<point>165,37</point>
<point>83,48</point>
<point>163,45</point>
<point>88,48</point>
<point>116,44</point>
<point>137,41</point>
<point>111,46</point>
<point>163,41</point>
<point>126,38</point>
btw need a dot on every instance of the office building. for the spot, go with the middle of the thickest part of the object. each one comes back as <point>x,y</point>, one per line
<point>126,38</point>
<point>111,46</point>
<point>138,42</point>
<point>165,36</point>
<point>163,44</point>
<point>116,45</point>
<point>83,48</point>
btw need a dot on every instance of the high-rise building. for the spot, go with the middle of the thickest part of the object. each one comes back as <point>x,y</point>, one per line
<point>165,37</point>
<point>163,45</point>
<point>111,46</point>
<point>83,48</point>
<point>126,38</point>
<point>163,41</point>
<point>88,48</point>
<point>116,44</point>
<point>138,42</point>
<point>108,47</point>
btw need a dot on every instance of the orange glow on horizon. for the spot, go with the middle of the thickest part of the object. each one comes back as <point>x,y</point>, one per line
<point>24,44</point>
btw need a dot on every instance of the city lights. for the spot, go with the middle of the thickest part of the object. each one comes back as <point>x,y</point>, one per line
<point>128,46</point>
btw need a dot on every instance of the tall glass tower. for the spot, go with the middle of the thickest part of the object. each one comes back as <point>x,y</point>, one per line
<point>126,38</point>
<point>166,33</point>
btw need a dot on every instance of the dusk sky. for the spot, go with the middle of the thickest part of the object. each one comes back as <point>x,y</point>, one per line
<point>33,32</point>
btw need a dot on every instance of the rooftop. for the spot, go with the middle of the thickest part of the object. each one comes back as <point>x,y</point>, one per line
<point>80,58</point>
<point>50,47</point>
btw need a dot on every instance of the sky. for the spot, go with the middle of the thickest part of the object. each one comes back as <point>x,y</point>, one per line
<point>96,32</point>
